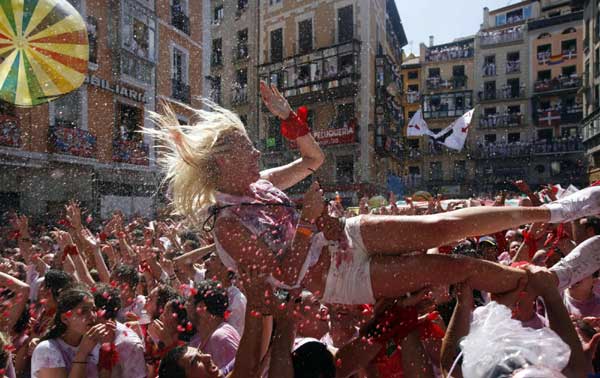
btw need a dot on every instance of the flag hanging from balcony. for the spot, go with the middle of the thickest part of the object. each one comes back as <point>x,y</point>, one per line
<point>44,50</point>
<point>549,118</point>
<point>417,126</point>
<point>455,135</point>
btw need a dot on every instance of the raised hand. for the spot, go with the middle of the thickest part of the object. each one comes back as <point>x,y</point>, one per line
<point>313,203</point>
<point>74,215</point>
<point>88,239</point>
<point>63,238</point>
<point>522,186</point>
<point>275,102</point>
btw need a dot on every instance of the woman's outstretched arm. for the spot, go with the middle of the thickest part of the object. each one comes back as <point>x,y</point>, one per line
<point>384,234</point>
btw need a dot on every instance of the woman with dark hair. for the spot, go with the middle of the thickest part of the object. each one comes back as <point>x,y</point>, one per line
<point>70,348</point>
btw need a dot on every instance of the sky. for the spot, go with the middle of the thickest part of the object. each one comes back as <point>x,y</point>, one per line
<point>444,19</point>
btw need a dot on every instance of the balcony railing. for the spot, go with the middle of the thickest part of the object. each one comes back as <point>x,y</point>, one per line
<point>130,152</point>
<point>450,51</point>
<point>513,66</point>
<point>591,126</point>
<point>181,91</point>
<point>501,36</point>
<point>216,60</point>
<point>489,69</point>
<point>557,84</point>
<point>239,96</point>
<point>240,52</point>
<point>10,132</point>
<point>179,19</point>
<point>413,97</point>
<point>71,141</point>
<point>524,148</point>
<point>500,120</point>
<point>437,83</point>
<point>412,181</point>
<point>324,74</point>
<point>505,93</point>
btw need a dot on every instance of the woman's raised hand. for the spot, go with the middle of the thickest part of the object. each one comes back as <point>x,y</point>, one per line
<point>313,203</point>
<point>275,102</point>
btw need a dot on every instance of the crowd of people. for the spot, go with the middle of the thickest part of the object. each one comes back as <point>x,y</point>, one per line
<point>445,53</point>
<point>240,282</point>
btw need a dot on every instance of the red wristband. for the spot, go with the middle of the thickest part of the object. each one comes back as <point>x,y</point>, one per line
<point>295,126</point>
<point>70,250</point>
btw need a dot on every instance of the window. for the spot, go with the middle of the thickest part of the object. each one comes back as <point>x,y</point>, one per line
<point>489,90</point>
<point>513,87</point>
<point>67,110</point>
<point>413,75</point>
<point>460,170</point>
<point>217,52</point>
<point>138,40</point>
<point>179,15</point>
<point>411,114</point>
<point>434,72</point>
<point>218,14</point>
<point>514,109</point>
<point>435,170</point>
<point>92,32</point>
<point>569,31</point>
<point>344,169</point>
<point>544,49</point>
<point>458,71</point>
<point>500,19</point>
<point>129,122</point>
<point>345,24</point>
<point>277,45</point>
<point>514,137</point>
<point>180,66</point>
<point>215,89</point>
<point>569,47</point>
<point>514,16</point>
<point>305,37</point>
<point>345,113</point>
<point>597,63</point>
<point>544,36</point>
<point>568,132</point>
<point>569,70</point>
<point>489,138</point>
<point>489,111</point>
<point>413,144</point>
<point>513,56</point>
<point>413,88</point>
<point>274,139</point>
<point>414,171</point>
<point>274,2</point>
<point>242,44</point>
<point>242,5</point>
<point>545,134</point>
<point>544,75</point>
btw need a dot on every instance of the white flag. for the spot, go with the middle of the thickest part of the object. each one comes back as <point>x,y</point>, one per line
<point>417,126</point>
<point>455,135</point>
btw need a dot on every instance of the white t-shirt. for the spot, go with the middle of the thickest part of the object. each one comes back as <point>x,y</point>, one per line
<point>136,307</point>
<point>237,308</point>
<point>56,353</point>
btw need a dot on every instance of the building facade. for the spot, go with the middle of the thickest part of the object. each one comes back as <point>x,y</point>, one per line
<point>591,88</point>
<point>231,29</point>
<point>501,124</point>
<point>447,83</point>
<point>341,59</point>
<point>87,145</point>
<point>411,78</point>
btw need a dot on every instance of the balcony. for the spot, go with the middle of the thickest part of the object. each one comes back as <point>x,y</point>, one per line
<point>506,93</point>
<point>71,141</point>
<point>552,117</point>
<point>216,60</point>
<point>456,82</point>
<point>450,51</point>
<point>558,20</point>
<point>561,83</point>
<point>492,121</point>
<point>560,146</point>
<point>181,91</point>
<point>241,53</point>
<point>179,19</point>
<point>489,69</point>
<point>239,95</point>
<point>413,97</point>
<point>323,75</point>
<point>591,126</point>
<point>130,152</point>
<point>498,37</point>
<point>502,150</point>
<point>513,66</point>
<point>10,132</point>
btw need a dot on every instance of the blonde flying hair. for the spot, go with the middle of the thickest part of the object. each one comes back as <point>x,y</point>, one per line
<point>186,154</point>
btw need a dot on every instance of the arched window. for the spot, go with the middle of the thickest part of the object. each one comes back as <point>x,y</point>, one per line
<point>569,30</point>
<point>544,36</point>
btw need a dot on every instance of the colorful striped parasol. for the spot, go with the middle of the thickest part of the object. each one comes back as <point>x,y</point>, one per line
<point>43,50</point>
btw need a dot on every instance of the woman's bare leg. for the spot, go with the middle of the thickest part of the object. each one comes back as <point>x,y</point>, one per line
<point>395,235</point>
<point>394,276</point>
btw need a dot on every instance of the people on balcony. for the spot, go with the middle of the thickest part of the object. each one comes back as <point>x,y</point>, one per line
<point>10,133</point>
<point>513,66</point>
<point>440,54</point>
<point>501,36</point>
<point>489,69</point>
